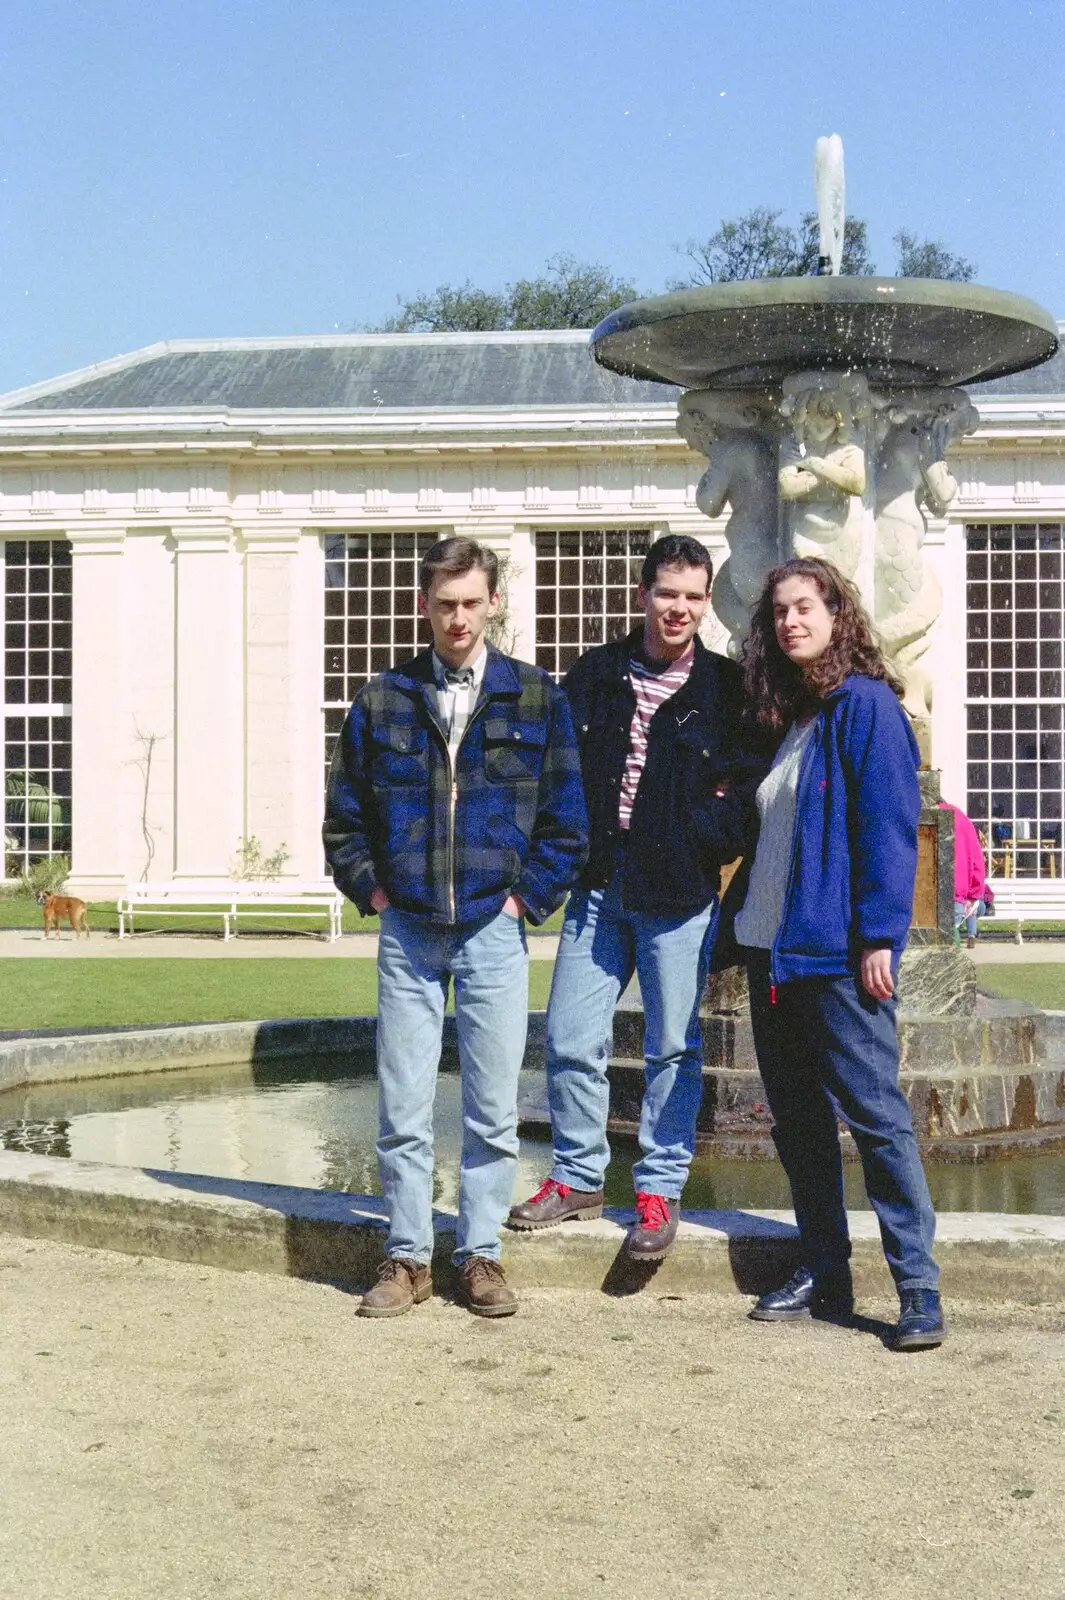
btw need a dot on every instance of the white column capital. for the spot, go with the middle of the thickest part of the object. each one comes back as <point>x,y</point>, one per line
<point>96,541</point>
<point>272,538</point>
<point>485,530</point>
<point>208,535</point>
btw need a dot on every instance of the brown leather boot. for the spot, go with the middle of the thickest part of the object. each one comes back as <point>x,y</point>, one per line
<point>655,1228</point>
<point>555,1202</point>
<point>483,1286</point>
<point>401,1284</point>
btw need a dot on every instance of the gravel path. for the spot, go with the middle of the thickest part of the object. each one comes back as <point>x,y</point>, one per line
<point>174,1432</point>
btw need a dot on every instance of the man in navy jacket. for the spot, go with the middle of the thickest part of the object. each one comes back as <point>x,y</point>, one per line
<point>669,784</point>
<point>455,811</point>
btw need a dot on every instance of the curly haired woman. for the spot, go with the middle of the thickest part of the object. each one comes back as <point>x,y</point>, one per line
<point>824,924</point>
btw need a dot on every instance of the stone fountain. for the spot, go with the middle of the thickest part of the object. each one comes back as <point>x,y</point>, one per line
<point>825,407</point>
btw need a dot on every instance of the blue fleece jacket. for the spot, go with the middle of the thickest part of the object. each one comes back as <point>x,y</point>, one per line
<point>854,851</point>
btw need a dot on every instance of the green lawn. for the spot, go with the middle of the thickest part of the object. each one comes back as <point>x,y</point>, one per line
<point>19,912</point>
<point>121,991</point>
<point>1040,983</point>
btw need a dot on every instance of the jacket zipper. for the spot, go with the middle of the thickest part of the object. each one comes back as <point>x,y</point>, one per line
<point>453,776</point>
<point>453,782</point>
<point>808,755</point>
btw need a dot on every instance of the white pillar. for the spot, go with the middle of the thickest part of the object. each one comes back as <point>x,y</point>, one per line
<point>282,786</point>
<point>98,712</point>
<point>522,592</point>
<point>208,700</point>
<point>944,550</point>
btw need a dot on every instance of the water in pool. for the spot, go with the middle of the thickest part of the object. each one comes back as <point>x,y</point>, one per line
<point>314,1123</point>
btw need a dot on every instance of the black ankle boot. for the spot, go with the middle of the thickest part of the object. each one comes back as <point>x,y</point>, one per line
<point>804,1295</point>
<point>921,1324</point>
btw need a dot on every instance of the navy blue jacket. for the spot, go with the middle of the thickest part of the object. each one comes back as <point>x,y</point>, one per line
<point>446,846</point>
<point>680,834</point>
<point>854,850</point>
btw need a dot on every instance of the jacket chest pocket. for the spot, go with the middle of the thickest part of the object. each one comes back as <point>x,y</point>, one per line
<point>696,753</point>
<point>513,751</point>
<point>400,755</point>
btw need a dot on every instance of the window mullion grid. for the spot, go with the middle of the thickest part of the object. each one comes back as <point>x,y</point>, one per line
<point>1015,734</point>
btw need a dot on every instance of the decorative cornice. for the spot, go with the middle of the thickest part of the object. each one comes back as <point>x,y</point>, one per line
<point>271,490</point>
<point>483,485</point>
<point>375,492</point>
<point>42,493</point>
<point>146,495</point>
<point>1027,490</point>
<point>430,486</point>
<point>383,430</point>
<point>94,492</point>
<point>323,490</point>
<point>643,490</point>
<point>589,484</point>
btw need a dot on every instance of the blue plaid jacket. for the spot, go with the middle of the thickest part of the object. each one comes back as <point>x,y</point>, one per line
<point>512,821</point>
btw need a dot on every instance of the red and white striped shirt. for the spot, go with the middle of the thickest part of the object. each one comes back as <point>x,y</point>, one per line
<point>652,689</point>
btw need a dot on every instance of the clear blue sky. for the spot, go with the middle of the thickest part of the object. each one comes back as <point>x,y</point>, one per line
<point>195,168</point>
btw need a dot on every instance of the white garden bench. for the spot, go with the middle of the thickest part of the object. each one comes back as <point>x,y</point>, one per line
<point>1023,900</point>
<point>200,897</point>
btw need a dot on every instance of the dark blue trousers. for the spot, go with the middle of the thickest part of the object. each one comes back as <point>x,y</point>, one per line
<point>828,1053</point>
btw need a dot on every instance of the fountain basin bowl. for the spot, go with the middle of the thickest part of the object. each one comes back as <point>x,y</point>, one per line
<point>894,330</point>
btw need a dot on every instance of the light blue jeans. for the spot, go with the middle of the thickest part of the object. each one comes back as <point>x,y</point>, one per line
<point>489,964</point>
<point>979,910</point>
<point>602,945</point>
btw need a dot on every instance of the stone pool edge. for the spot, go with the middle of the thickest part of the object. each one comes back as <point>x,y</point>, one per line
<point>39,1058</point>
<point>325,1234</point>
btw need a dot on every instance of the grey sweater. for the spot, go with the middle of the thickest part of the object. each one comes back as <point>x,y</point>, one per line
<point>758,922</point>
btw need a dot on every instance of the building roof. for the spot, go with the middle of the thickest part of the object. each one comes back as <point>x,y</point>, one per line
<point>354,372</point>
<point>373,372</point>
<point>1047,379</point>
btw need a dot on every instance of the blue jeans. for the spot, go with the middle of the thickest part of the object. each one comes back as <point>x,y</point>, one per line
<point>489,963</point>
<point>970,921</point>
<point>602,945</point>
<point>828,1052</point>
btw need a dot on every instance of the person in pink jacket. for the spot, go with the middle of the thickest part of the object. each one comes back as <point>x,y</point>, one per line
<point>970,873</point>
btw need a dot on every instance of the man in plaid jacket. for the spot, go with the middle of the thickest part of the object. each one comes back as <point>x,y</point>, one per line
<point>455,810</point>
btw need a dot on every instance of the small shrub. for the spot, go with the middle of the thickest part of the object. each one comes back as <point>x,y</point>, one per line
<point>251,864</point>
<point>500,629</point>
<point>48,875</point>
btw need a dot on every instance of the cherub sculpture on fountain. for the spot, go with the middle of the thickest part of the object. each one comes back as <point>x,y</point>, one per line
<point>738,432</point>
<point>914,429</point>
<point>822,466</point>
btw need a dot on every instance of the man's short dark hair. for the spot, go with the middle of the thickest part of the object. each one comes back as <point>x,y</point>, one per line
<point>453,558</point>
<point>676,550</point>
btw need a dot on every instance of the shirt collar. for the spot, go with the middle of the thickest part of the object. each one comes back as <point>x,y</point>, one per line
<point>477,667</point>
<point>659,669</point>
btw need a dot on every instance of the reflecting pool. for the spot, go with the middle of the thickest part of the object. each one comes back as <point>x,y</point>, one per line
<point>314,1123</point>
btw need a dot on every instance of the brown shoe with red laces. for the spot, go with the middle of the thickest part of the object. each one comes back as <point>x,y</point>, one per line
<point>483,1286</point>
<point>655,1228</point>
<point>401,1284</point>
<point>556,1202</point>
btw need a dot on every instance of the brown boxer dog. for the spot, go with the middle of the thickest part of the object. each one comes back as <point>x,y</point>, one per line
<point>57,906</point>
